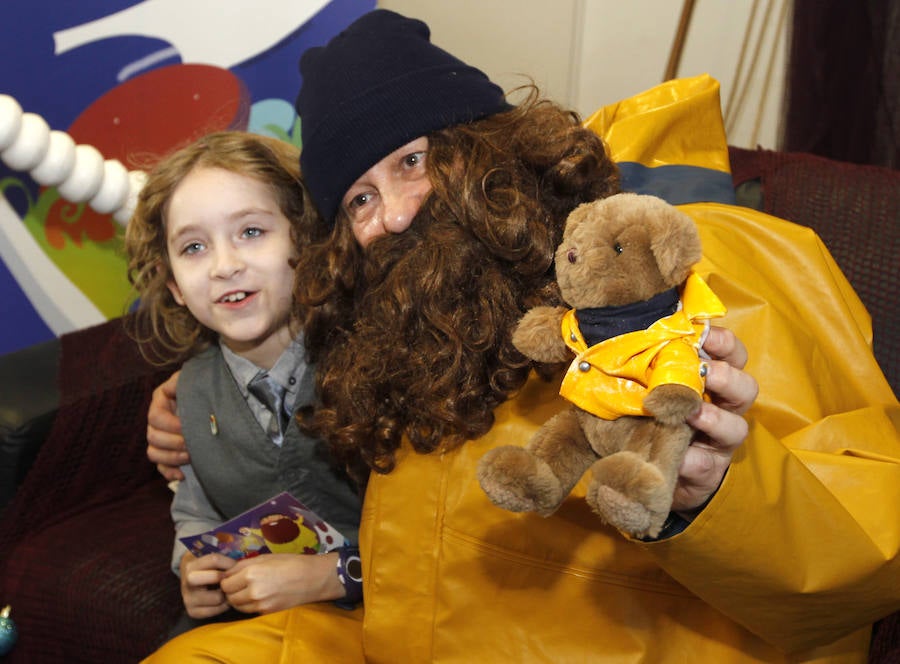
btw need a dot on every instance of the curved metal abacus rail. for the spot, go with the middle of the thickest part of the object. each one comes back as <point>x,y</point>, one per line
<point>79,172</point>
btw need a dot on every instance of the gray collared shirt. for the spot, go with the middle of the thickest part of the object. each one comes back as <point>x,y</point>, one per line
<point>288,371</point>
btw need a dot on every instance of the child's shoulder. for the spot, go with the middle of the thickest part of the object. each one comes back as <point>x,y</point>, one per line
<point>202,360</point>
<point>199,374</point>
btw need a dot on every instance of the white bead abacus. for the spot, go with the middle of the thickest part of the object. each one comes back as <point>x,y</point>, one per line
<point>79,172</point>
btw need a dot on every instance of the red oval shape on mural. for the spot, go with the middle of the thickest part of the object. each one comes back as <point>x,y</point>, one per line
<point>154,113</point>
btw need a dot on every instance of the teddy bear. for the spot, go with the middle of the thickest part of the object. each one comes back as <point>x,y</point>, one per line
<point>636,320</point>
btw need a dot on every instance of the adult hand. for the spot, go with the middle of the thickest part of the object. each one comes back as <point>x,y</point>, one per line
<point>165,444</point>
<point>200,578</point>
<point>721,428</point>
<point>275,581</point>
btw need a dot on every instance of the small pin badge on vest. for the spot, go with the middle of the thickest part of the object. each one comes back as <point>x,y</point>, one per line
<point>213,425</point>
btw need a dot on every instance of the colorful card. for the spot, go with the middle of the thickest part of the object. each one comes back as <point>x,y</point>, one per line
<point>282,524</point>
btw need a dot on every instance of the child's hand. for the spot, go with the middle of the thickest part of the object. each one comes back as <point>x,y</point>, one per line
<point>276,581</point>
<point>200,579</point>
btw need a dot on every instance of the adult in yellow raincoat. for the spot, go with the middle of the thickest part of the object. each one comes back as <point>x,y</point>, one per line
<point>791,560</point>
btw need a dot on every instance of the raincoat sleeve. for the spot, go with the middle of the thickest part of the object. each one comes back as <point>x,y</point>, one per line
<point>800,544</point>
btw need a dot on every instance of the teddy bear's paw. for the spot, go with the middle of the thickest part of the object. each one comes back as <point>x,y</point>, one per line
<point>516,480</point>
<point>631,475</point>
<point>629,493</point>
<point>620,511</point>
<point>537,335</point>
<point>672,404</point>
<point>625,514</point>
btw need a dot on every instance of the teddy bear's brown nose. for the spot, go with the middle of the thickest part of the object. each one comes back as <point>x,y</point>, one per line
<point>572,255</point>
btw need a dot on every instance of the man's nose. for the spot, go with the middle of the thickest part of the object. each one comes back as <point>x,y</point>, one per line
<point>399,210</point>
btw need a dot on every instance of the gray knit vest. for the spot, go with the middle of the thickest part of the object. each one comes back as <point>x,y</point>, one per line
<point>236,463</point>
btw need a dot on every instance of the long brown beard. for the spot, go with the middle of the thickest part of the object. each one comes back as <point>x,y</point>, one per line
<point>429,354</point>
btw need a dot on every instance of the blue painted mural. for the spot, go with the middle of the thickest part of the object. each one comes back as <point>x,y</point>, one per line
<point>106,87</point>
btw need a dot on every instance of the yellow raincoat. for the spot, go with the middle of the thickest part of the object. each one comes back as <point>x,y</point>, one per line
<point>797,552</point>
<point>611,378</point>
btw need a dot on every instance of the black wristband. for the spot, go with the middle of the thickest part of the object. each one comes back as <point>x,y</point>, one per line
<point>349,571</point>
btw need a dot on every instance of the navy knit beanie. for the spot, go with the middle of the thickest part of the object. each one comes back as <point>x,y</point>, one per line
<point>373,88</point>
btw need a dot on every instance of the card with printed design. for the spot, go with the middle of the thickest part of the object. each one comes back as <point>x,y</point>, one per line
<point>282,524</point>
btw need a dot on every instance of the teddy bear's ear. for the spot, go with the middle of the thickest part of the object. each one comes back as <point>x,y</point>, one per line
<point>676,244</point>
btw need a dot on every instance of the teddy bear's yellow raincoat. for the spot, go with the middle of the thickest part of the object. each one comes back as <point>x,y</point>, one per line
<point>611,378</point>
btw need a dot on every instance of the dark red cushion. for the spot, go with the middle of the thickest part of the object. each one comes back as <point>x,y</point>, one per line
<point>86,541</point>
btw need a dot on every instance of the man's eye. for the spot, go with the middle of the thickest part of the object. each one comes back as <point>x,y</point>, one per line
<point>414,159</point>
<point>359,200</point>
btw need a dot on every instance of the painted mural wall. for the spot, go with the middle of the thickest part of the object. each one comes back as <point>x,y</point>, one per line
<point>133,80</point>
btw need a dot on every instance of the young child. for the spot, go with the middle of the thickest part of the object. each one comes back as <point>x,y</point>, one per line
<point>212,246</point>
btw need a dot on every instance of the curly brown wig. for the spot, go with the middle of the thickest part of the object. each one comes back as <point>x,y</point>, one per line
<point>412,336</point>
<point>165,330</point>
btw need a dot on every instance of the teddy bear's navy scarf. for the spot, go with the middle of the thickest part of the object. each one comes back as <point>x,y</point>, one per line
<point>600,323</point>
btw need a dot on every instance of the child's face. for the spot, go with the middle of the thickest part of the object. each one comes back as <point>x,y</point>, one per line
<point>229,245</point>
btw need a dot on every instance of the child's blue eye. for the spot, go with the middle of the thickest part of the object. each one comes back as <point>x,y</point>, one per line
<point>253,232</point>
<point>192,248</point>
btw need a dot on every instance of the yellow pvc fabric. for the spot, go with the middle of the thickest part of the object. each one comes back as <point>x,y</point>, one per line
<point>792,559</point>
<point>677,122</point>
<point>790,562</point>
<point>612,378</point>
<point>313,633</point>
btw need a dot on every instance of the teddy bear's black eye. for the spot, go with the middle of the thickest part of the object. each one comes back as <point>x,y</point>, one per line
<point>618,248</point>
<point>572,256</point>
